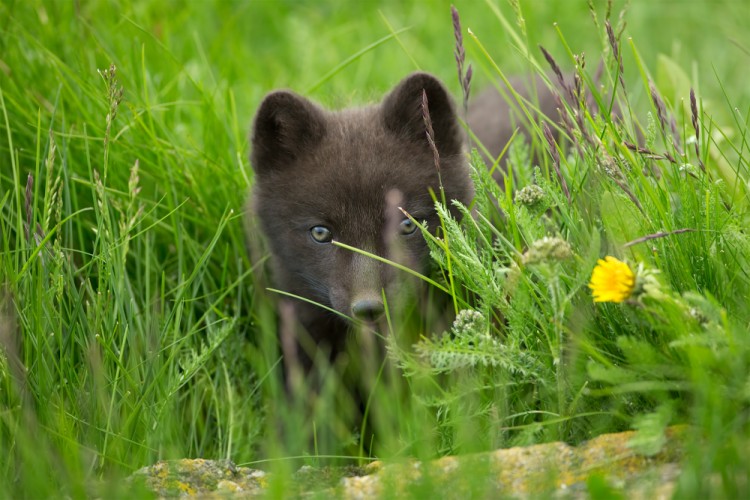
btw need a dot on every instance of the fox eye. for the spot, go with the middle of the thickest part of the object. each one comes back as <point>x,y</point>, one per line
<point>321,234</point>
<point>407,226</point>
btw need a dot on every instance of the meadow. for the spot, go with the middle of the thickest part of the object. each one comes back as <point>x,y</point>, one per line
<point>131,326</point>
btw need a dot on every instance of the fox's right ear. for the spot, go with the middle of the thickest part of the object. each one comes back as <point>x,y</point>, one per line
<point>403,114</point>
<point>286,126</point>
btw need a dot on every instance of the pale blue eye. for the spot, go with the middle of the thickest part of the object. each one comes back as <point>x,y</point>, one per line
<point>408,226</point>
<point>321,234</point>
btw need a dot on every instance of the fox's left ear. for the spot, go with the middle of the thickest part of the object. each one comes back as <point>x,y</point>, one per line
<point>402,113</point>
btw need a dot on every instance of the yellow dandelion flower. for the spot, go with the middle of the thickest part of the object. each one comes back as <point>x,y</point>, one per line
<point>612,280</point>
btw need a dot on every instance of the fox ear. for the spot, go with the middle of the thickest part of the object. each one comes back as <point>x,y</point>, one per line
<point>286,126</point>
<point>402,112</point>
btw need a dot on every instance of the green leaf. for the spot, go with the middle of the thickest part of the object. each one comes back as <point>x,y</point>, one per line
<point>672,81</point>
<point>651,437</point>
<point>621,218</point>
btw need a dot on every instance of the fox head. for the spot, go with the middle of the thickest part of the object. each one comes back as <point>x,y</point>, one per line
<point>343,176</point>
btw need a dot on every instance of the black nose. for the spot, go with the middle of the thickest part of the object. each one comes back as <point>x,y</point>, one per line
<point>367,309</point>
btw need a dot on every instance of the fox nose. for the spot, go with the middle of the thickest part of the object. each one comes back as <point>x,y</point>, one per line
<point>368,309</point>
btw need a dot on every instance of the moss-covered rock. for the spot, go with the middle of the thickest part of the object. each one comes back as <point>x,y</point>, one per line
<point>198,477</point>
<point>608,464</point>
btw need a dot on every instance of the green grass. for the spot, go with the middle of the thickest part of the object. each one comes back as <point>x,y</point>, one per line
<point>130,326</point>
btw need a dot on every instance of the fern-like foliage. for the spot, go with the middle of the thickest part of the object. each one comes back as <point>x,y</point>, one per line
<point>470,344</point>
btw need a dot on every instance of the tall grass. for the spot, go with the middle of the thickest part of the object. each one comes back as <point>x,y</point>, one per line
<point>131,328</point>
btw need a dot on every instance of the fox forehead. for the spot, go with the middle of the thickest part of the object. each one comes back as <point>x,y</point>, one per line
<point>357,163</point>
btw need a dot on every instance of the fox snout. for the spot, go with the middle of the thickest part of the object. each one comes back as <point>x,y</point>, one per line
<point>367,278</point>
<point>367,308</point>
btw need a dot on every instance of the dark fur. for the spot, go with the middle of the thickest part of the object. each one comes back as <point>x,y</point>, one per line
<point>338,169</point>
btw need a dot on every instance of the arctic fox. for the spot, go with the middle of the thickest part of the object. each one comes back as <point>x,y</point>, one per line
<point>351,176</point>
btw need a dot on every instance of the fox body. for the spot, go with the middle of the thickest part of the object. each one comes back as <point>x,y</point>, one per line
<point>494,118</point>
<point>497,113</point>
<point>344,176</point>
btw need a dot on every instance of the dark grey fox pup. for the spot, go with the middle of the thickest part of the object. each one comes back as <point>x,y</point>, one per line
<point>342,176</point>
